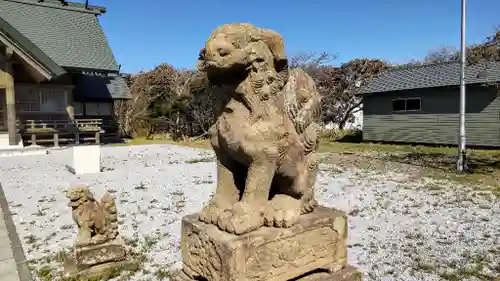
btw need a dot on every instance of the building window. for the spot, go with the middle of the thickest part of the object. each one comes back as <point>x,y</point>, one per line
<point>399,105</point>
<point>46,100</point>
<point>406,104</point>
<point>53,101</point>
<point>77,108</point>
<point>98,108</point>
<point>27,99</point>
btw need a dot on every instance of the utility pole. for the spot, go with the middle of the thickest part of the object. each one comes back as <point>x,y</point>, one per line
<point>462,156</point>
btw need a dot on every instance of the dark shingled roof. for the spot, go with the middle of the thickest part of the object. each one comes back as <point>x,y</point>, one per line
<point>94,87</point>
<point>25,44</point>
<point>430,76</point>
<point>68,33</point>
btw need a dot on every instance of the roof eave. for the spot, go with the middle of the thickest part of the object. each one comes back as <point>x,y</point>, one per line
<point>71,6</point>
<point>29,51</point>
<point>486,71</point>
<point>72,69</point>
<point>361,94</point>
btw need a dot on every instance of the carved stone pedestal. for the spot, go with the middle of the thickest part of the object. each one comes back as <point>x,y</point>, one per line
<point>95,260</point>
<point>314,249</point>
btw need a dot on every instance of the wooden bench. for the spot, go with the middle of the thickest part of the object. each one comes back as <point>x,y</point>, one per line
<point>83,126</point>
<point>36,128</point>
<point>55,128</point>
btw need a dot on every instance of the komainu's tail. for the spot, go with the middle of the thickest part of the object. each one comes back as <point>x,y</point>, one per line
<point>302,105</point>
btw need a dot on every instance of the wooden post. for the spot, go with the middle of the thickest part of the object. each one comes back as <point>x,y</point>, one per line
<point>56,139</point>
<point>10,97</point>
<point>70,108</point>
<point>71,112</point>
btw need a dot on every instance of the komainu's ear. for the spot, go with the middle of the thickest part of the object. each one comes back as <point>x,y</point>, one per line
<point>88,194</point>
<point>276,45</point>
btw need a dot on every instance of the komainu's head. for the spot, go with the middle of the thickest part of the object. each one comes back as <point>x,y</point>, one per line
<point>228,50</point>
<point>78,195</point>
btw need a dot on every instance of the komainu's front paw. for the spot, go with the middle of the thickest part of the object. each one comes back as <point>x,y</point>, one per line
<point>84,237</point>
<point>308,206</point>
<point>211,212</point>
<point>282,211</point>
<point>241,219</point>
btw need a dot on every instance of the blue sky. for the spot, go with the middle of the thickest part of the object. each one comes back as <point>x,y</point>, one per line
<point>145,35</point>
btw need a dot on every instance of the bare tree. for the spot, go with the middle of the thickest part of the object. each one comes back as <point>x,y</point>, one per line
<point>153,96</point>
<point>202,108</point>
<point>312,60</point>
<point>487,51</point>
<point>442,54</point>
<point>338,85</point>
<point>354,74</point>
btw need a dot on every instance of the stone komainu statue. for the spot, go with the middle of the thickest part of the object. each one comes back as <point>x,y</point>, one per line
<point>96,221</point>
<point>266,132</point>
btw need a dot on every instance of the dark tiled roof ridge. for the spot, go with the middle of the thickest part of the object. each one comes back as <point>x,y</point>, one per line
<point>437,64</point>
<point>396,67</point>
<point>31,48</point>
<point>71,37</point>
<point>432,75</point>
<point>58,4</point>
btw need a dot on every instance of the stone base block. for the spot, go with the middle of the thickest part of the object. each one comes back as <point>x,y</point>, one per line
<point>111,251</point>
<point>93,260</point>
<point>348,273</point>
<point>104,270</point>
<point>317,243</point>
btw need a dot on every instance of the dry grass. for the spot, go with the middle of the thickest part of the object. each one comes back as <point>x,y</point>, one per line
<point>437,162</point>
<point>328,146</point>
<point>160,139</point>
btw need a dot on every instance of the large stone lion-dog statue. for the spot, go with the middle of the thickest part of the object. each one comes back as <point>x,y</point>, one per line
<point>266,133</point>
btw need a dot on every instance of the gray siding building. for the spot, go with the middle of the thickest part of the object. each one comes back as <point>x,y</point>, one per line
<point>421,105</point>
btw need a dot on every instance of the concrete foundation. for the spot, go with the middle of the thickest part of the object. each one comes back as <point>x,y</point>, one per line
<point>86,159</point>
<point>4,142</point>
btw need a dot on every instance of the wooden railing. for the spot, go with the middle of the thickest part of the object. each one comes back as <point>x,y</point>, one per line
<point>71,130</point>
<point>45,125</point>
<point>4,128</point>
<point>88,125</point>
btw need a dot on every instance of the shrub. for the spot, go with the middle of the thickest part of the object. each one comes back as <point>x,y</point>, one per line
<point>350,135</point>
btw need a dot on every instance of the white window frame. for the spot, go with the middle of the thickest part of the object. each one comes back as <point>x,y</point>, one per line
<point>45,92</point>
<point>78,108</point>
<point>98,107</point>
<point>41,92</point>
<point>406,106</point>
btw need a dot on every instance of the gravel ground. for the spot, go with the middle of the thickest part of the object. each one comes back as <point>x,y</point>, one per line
<point>400,228</point>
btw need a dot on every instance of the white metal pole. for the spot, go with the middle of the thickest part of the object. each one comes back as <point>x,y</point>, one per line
<point>462,159</point>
